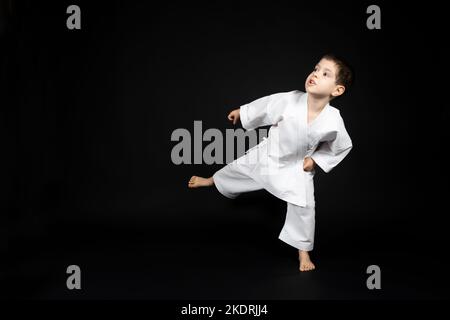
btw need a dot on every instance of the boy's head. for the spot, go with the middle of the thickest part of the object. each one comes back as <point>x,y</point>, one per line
<point>330,77</point>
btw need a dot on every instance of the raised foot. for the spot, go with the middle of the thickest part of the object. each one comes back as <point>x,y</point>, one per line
<point>196,182</point>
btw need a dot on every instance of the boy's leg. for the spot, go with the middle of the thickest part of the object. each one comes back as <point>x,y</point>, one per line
<point>234,178</point>
<point>231,180</point>
<point>299,227</point>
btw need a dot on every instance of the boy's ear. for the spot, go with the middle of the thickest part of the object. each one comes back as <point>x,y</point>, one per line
<point>339,90</point>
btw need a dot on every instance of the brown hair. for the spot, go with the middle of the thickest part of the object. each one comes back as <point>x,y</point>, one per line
<point>345,73</point>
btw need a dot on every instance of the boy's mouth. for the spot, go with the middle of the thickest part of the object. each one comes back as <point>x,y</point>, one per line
<point>311,82</point>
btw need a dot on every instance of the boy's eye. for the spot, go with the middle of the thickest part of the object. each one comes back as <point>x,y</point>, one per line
<point>325,74</point>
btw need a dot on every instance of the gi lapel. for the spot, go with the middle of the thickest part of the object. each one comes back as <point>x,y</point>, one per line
<point>302,127</point>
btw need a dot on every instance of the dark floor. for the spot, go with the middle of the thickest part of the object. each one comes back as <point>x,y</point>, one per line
<point>217,260</point>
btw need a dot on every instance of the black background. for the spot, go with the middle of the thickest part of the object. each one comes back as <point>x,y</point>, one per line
<point>87,122</point>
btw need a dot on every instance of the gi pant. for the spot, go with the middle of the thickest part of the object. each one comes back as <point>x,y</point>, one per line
<point>298,229</point>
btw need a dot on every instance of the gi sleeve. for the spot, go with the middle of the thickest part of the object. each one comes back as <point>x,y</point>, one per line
<point>330,153</point>
<point>264,111</point>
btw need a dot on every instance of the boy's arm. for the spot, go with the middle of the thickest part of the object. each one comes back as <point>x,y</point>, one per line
<point>263,111</point>
<point>331,153</point>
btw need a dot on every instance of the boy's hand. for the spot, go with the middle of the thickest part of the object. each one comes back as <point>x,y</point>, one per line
<point>234,115</point>
<point>308,164</point>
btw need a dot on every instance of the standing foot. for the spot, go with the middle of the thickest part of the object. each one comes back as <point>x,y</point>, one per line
<point>305,261</point>
<point>196,182</point>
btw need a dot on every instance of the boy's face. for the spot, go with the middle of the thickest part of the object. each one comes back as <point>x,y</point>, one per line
<point>322,80</point>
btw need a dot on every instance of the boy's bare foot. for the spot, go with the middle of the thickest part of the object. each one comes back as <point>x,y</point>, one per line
<point>305,261</point>
<point>196,182</point>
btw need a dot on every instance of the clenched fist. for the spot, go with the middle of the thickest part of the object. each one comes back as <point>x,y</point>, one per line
<point>234,115</point>
<point>308,164</point>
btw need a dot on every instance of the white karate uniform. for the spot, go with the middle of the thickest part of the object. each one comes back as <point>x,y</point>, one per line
<point>276,164</point>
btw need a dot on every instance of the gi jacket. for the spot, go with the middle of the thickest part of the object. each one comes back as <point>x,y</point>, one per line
<point>277,162</point>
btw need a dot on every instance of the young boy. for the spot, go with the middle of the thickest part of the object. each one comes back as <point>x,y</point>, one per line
<point>305,131</point>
